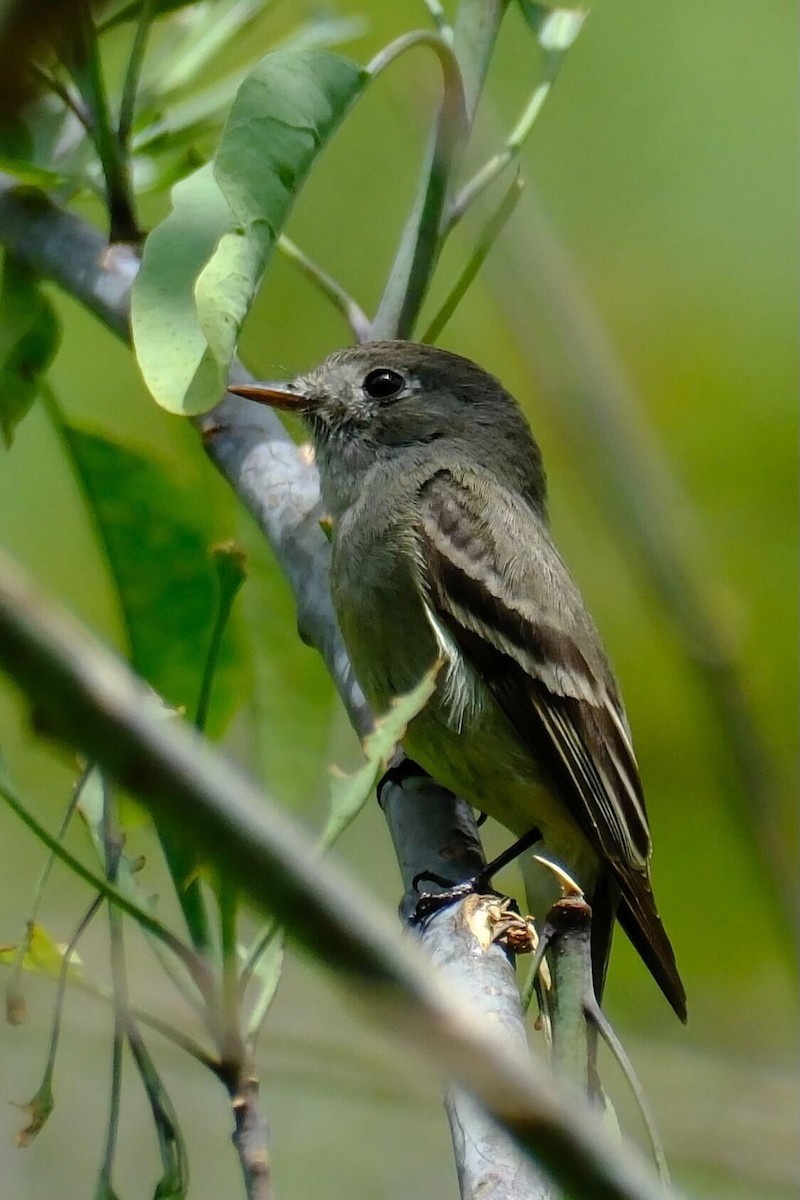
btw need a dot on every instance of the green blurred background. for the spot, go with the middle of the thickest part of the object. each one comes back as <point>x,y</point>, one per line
<point>664,162</point>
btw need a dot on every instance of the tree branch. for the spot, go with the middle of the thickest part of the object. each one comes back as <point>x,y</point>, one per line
<point>488,1163</point>
<point>251,1139</point>
<point>92,700</point>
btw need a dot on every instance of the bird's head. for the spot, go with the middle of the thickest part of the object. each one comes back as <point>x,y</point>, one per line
<point>380,400</point>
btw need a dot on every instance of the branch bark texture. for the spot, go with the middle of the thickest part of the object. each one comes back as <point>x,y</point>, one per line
<point>488,1163</point>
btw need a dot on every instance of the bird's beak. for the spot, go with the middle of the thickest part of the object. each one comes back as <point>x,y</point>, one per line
<point>276,395</point>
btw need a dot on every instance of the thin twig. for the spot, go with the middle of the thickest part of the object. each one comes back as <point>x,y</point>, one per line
<point>133,72</point>
<point>112,842</point>
<point>41,1105</point>
<point>342,301</point>
<point>483,244</point>
<point>597,1017</point>
<point>87,72</point>
<point>178,1038</point>
<point>251,1139</point>
<point>73,103</point>
<point>569,955</point>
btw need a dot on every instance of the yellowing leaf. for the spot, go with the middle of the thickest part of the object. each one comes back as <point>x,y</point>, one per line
<point>44,955</point>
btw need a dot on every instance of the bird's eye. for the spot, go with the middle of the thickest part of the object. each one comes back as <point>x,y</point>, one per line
<point>383,384</point>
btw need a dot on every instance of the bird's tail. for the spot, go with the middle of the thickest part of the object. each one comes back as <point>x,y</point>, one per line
<point>638,916</point>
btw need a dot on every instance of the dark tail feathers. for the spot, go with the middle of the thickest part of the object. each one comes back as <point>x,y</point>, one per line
<point>643,926</point>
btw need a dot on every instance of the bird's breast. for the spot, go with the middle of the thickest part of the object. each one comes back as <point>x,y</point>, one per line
<point>379,605</point>
<point>462,737</point>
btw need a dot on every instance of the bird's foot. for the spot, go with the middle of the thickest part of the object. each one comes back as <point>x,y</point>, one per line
<point>501,916</point>
<point>430,903</point>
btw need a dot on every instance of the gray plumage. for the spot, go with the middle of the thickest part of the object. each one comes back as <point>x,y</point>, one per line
<point>441,548</point>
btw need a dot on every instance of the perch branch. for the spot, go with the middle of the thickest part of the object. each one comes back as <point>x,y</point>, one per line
<point>92,700</point>
<point>488,1163</point>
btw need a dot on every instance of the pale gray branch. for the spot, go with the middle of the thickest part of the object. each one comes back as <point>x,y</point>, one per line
<point>488,1163</point>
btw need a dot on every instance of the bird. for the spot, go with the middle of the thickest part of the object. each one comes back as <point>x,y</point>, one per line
<point>442,551</point>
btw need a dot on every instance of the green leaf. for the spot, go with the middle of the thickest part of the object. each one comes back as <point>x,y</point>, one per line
<point>266,966</point>
<point>202,266</point>
<point>169,587</point>
<point>157,547</point>
<point>32,143</point>
<point>174,1181</point>
<point>284,113</point>
<point>229,568</point>
<point>349,793</point>
<point>29,337</point>
<point>172,352</point>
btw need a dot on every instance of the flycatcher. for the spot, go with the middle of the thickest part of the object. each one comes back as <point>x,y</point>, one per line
<point>441,549</point>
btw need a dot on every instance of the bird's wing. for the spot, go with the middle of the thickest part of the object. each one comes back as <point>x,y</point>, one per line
<point>509,602</point>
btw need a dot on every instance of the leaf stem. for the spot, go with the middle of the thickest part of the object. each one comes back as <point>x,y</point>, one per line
<point>439,18</point>
<point>182,1040</point>
<point>267,935</point>
<point>231,1042</point>
<point>556,30</point>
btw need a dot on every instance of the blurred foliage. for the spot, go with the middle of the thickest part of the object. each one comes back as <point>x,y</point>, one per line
<point>662,159</point>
